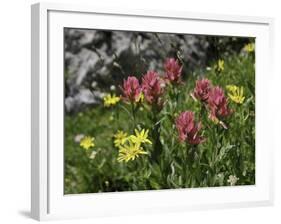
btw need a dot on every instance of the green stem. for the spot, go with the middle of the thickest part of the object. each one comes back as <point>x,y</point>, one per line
<point>134,115</point>
<point>186,166</point>
<point>156,136</point>
<point>190,160</point>
<point>202,109</point>
<point>215,155</point>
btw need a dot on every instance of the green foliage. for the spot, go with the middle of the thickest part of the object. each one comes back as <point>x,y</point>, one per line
<point>225,152</point>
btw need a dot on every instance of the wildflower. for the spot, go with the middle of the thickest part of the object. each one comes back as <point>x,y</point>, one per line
<point>110,100</point>
<point>106,183</point>
<point>202,89</point>
<point>173,70</point>
<point>78,138</point>
<point>218,104</point>
<point>152,88</point>
<point>220,65</point>
<point>94,84</point>
<point>130,151</point>
<point>87,142</point>
<point>140,137</point>
<point>232,180</point>
<point>112,88</point>
<point>235,93</point>
<point>188,129</point>
<point>120,138</point>
<point>131,89</point>
<point>93,155</point>
<point>250,47</point>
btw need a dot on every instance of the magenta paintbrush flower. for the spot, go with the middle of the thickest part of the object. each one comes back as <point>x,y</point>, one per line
<point>152,87</point>
<point>188,129</point>
<point>202,89</point>
<point>131,89</point>
<point>218,104</point>
<point>173,70</point>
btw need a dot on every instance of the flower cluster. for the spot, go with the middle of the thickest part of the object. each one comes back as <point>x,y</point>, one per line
<point>213,97</point>
<point>173,71</point>
<point>188,129</point>
<point>131,89</point>
<point>215,101</point>
<point>202,89</point>
<point>218,104</point>
<point>167,132</point>
<point>152,84</point>
<point>130,147</point>
<point>152,87</point>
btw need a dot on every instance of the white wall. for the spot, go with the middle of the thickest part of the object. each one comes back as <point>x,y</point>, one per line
<point>15,110</point>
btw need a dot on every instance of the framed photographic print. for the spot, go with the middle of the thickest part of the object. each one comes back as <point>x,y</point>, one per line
<point>148,111</point>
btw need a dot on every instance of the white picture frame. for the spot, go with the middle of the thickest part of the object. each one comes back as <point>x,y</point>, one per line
<point>48,201</point>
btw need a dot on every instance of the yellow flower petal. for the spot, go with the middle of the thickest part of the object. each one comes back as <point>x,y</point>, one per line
<point>140,137</point>
<point>87,142</point>
<point>120,138</point>
<point>130,151</point>
<point>220,65</point>
<point>110,100</point>
<point>235,93</point>
<point>250,47</point>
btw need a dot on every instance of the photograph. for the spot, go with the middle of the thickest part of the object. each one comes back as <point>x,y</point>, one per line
<point>153,111</point>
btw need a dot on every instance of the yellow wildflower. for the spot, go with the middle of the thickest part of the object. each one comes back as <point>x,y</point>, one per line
<point>232,88</point>
<point>250,47</point>
<point>120,138</point>
<point>140,137</point>
<point>130,151</point>
<point>236,93</point>
<point>87,142</point>
<point>220,65</point>
<point>110,100</point>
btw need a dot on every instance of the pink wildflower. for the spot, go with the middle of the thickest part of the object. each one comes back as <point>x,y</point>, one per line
<point>173,70</point>
<point>218,104</point>
<point>202,89</point>
<point>131,89</point>
<point>187,128</point>
<point>152,87</point>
